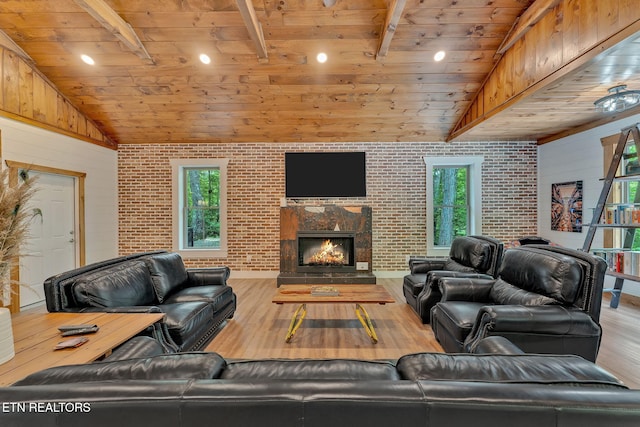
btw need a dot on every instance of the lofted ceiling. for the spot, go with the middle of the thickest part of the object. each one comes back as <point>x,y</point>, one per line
<point>379,83</point>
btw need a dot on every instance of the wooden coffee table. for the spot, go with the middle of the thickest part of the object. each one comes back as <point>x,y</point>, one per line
<point>347,294</point>
<point>36,334</point>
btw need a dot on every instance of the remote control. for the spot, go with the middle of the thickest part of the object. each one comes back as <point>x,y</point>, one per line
<point>80,331</point>
<point>74,327</point>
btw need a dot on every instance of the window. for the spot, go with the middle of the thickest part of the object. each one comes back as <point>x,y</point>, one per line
<point>453,200</point>
<point>199,207</point>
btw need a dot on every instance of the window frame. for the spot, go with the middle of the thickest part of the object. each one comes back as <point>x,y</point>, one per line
<point>474,179</point>
<point>178,167</point>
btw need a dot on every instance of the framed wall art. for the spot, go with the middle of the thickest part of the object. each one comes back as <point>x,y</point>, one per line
<point>566,206</point>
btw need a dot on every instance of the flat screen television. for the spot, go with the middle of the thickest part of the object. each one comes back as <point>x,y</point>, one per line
<point>324,175</point>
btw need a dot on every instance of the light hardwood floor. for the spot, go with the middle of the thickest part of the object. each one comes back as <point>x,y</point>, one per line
<point>620,347</point>
<point>259,327</point>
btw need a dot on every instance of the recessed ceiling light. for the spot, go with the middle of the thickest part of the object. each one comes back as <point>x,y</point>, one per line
<point>439,56</point>
<point>322,57</point>
<point>204,58</point>
<point>87,59</point>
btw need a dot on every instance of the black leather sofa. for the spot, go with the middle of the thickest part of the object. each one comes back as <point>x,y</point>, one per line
<point>546,299</point>
<point>469,256</point>
<point>196,301</point>
<point>425,389</point>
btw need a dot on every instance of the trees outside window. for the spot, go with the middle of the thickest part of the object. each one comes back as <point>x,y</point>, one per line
<point>450,204</point>
<point>454,200</point>
<point>199,211</point>
<point>202,207</point>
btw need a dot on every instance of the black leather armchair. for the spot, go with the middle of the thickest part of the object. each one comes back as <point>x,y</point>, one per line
<point>546,300</point>
<point>470,256</point>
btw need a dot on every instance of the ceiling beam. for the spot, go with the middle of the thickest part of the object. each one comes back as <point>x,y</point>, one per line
<point>393,17</point>
<point>253,26</point>
<point>528,19</point>
<point>475,115</point>
<point>8,42</point>
<point>109,19</point>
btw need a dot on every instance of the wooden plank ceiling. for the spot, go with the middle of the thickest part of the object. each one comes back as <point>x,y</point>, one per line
<point>380,82</point>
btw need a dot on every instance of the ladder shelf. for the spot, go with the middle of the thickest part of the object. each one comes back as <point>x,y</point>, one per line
<point>602,203</point>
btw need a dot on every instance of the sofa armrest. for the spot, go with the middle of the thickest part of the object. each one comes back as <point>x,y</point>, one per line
<point>434,277</point>
<point>465,289</point>
<point>424,265</point>
<point>431,295</point>
<point>208,276</point>
<point>543,320</point>
<point>549,319</point>
<point>124,309</point>
<point>178,366</point>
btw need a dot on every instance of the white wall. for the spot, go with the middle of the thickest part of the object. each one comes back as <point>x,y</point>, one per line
<point>30,144</point>
<point>576,157</point>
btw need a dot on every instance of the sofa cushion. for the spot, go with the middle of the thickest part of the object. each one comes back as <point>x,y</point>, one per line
<point>332,369</point>
<point>506,294</point>
<point>218,296</point>
<point>471,252</point>
<point>163,367</point>
<point>515,368</point>
<point>168,273</point>
<point>555,275</point>
<point>121,285</point>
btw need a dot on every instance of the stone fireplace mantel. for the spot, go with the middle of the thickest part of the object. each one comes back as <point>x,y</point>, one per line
<point>330,218</point>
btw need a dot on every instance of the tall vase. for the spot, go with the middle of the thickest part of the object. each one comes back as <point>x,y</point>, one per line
<point>6,336</point>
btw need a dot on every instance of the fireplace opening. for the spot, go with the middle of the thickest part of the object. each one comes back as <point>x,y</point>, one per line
<point>326,251</point>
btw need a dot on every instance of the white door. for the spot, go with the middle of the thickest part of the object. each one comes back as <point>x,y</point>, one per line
<point>51,247</point>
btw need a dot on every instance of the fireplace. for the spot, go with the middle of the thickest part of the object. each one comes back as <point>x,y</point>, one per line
<point>325,251</point>
<point>347,256</point>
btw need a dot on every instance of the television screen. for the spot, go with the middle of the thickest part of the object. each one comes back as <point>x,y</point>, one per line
<point>335,174</point>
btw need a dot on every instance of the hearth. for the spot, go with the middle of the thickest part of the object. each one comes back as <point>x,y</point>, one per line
<point>325,251</point>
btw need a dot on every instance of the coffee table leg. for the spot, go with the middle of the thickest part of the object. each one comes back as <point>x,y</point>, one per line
<point>364,318</point>
<point>296,321</point>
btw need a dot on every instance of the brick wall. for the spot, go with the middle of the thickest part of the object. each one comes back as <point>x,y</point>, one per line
<point>395,191</point>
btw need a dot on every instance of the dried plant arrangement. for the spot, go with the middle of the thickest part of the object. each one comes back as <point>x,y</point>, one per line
<point>14,221</point>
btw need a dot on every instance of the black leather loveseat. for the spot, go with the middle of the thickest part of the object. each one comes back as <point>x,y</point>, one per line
<point>426,389</point>
<point>196,301</point>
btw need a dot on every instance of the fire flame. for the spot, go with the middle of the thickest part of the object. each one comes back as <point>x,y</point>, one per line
<point>328,254</point>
